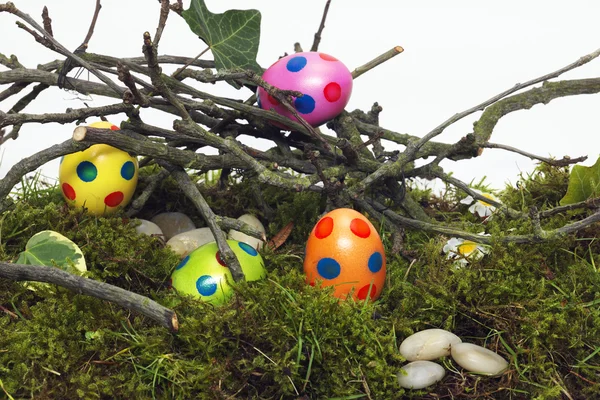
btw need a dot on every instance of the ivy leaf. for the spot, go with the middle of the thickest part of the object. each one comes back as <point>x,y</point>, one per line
<point>49,248</point>
<point>584,183</point>
<point>232,36</point>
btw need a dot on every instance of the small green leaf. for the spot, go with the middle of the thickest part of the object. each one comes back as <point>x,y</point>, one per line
<point>584,183</point>
<point>51,249</point>
<point>232,36</point>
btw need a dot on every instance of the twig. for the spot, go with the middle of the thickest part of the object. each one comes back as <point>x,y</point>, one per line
<point>88,37</point>
<point>14,134</point>
<point>12,62</point>
<point>62,118</point>
<point>376,61</point>
<point>438,173</point>
<point>89,287</point>
<point>440,128</point>
<point>31,163</point>
<point>8,312</point>
<point>592,204</point>
<point>162,21</point>
<point>413,147</point>
<point>27,99</point>
<point>317,40</point>
<point>149,50</point>
<point>126,77</point>
<point>153,181</point>
<point>54,45</point>
<point>190,62</point>
<point>47,21</point>
<point>524,101</point>
<point>563,162</point>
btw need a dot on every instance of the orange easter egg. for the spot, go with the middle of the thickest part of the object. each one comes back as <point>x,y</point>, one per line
<point>345,251</point>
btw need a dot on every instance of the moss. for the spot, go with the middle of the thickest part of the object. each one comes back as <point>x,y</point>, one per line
<point>536,305</point>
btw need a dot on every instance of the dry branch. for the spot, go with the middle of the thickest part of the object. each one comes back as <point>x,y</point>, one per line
<point>89,287</point>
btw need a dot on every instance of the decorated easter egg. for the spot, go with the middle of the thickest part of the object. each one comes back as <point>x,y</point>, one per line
<point>204,275</point>
<point>345,251</point>
<point>101,178</point>
<point>324,81</point>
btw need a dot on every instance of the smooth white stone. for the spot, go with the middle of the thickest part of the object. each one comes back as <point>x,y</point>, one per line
<point>173,223</point>
<point>478,359</point>
<point>420,374</point>
<point>242,237</point>
<point>186,242</point>
<point>148,228</point>
<point>428,344</point>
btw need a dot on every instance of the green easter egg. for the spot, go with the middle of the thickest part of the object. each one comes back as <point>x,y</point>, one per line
<point>204,275</point>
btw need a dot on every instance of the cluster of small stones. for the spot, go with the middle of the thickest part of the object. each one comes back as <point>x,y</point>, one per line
<point>430,344</point>
<point>182,236</point>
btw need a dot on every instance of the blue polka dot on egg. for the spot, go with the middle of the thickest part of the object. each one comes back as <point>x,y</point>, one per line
<point>87,171</point>
<point>375,262</point>
<point>206,285</point>
<point>328,268</point>
<point>128,170</point>
<point>296,64</point>
<point>304,104</point>
<point>248,249</point>
<point>182,263</point>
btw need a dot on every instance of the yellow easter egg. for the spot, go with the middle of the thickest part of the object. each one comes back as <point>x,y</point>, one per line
<point>101,178</point>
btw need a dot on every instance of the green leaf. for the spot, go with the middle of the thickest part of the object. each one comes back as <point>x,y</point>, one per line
<point>584,183</point>
<point>232,36</point>
<point>52,249</point>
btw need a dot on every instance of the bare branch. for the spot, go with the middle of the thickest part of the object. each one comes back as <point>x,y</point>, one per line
<point>388,55</point>
<point>84,45</point>
<point>317,40</point>
<point>47,21</point>
<point>89,287</point>
<point>563,162</point>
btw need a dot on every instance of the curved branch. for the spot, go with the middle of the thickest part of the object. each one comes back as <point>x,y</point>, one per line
<point>524,101</point>
<point>29,164</point>
<point>90,287</point>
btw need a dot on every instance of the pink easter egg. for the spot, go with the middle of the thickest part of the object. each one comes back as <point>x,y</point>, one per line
<point>324,81</point>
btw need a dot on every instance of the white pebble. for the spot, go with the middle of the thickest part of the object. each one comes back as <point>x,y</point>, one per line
<point>478,359</point>
<point>428,344</point>
<point>186,242</point>
<point>148,228</point>
<point>242,237</point>
<point>420,374</point>
<point>172,223</point>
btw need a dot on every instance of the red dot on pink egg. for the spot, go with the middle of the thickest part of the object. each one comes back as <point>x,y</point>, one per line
<point>327,57</point>
<point>332,92</point>
<point>324,228</point>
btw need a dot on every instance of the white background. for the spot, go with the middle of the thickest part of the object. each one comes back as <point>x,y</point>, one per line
<point>457,54</point>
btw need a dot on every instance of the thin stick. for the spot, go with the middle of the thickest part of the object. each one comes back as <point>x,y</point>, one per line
<point>47,21</point>
<point>56,46</point>
<point>90,287</point>
<point>563,162</point>
<point>191,191</point>
<point>88,37</point>
<point>162,21</point>
<point>317,40</point>
<point>190,62</point>
<point>376,61</point>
